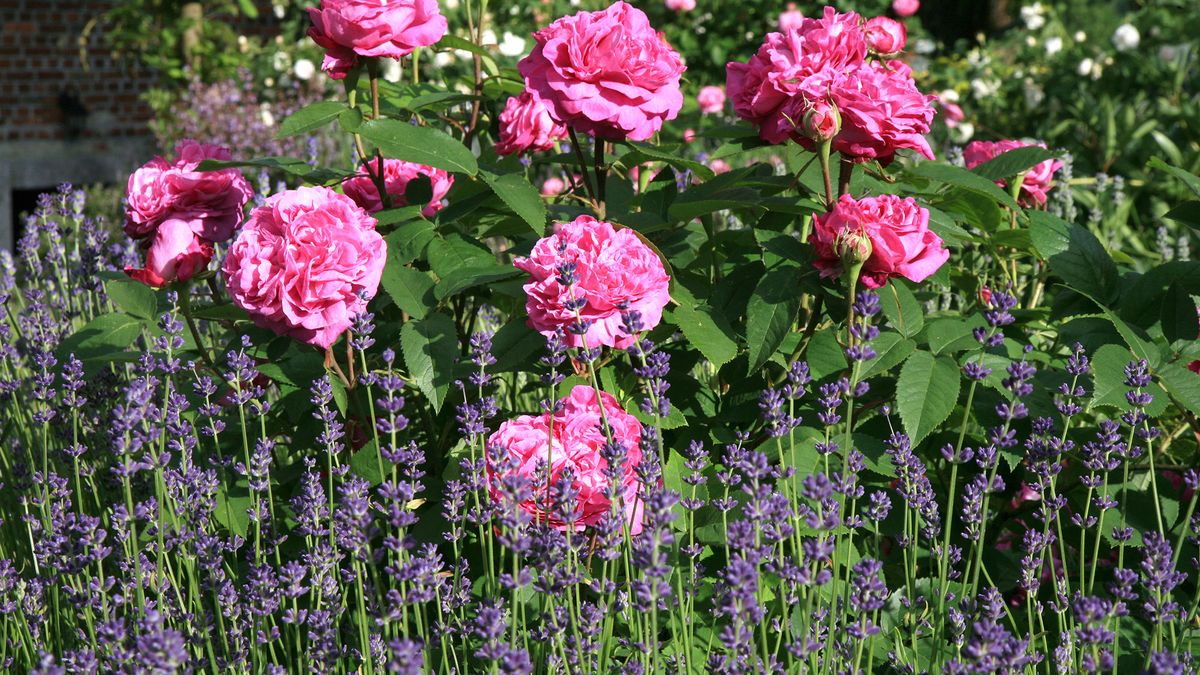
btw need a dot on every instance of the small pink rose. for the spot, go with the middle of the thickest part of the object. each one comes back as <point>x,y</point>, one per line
<point>350,30</point>
<point>952,114</point>
<point>689,135</point>
<point>553,186</point>
<point>681,5</point>
<point>396,176</point>
<point>1037,181</point>
<point>905,8</point>
<point>711,99</point>
<point>719,166</point>
<point>790,19</point>
<point>526,126</point>
<point>885,37</point>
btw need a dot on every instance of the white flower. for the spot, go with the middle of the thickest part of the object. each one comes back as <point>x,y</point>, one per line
<point>512,45</point>
<point>280,61</point>
<point>1126,37</point>
<point>1169,53</point>
<point>268,119</point>
<point>1033,16</point>
<point>963,132</point>
<point>489,37</point>
<point>925,46</point>
<point>1034,95</point>
<point>1080,36</point>
<point>304,69</point>
<point>243,43</point>
<point>444,59</point>
<point>1030,41</point>
<point>948,96</point>
<point>1054,45</point>
<point>451,4</point>
<point>391,70</point>
<point>1085,67</point>
<point>280,10</point>
<point>984,88</point>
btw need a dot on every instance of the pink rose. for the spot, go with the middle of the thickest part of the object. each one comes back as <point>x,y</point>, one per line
<point>790,19</point>
<point>396,175</point>
<point>784,64</point>
<point>175,254</point>
<point>526,126</point>
<point>606,73</point>
<point>822,122</point>
<point>711,99</point>
<point>952,114</point>
<point>212,202</point>
<point>553,186</point>
<point>880,107</point>
<point>689,135</point>
<point>1038,179</point>
<point>681,5</point>
<point>905,8</point>
<point>901,243</point>
<point>352,29</point>
<point>571,438</point>
<point>304,263</point>
<point>885,37</point>
<point>719,166</point>
<point>147,198</point>
<point>614,271</point>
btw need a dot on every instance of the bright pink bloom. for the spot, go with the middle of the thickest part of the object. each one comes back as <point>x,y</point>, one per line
<point>689,135</point>
<point>905,8</point>
<point>305,263</point>
<point>952,114</point>
<point>353,29</point>
<point>784,65</point>
<point>719,166</point>
<point>396,175</point>
<point>711,99</point>
<point>790,19</point>
<point>526,126</point>
<point>902,245</point>
<point>885,37</point>
<point>175,254</point>
<point>880,107</point>
<point>1038,179</point>
<point>606,73</point>
<point>553,186</point>
<point>681,5</point>
<point>212,202</point>
<point>1025,493</point>
<point>616,271</point>
<point>571,438</point>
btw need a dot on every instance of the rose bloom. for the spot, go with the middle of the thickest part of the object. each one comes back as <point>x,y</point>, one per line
<point>880,107</point>
<point>526,126</point>
<point>304,264</point>
<point>905,8</point>
<point>147,198</point>
<point>885,37</point>
<point>553,186</point>
<point>351,29</point>
<point>396,176</point>
<point>711,99</point>
<point>1037,181</point>
<point>689,135</point>
<point>606,73</point>
<point>570,438</point>
<point>615,270</point>
<point>790,19</point>
<point>212,202</point>
<point>783,65</point>
<point>719,166</point>
<point>902,245</point>
<point>681,5</point>
<point>175,254</point>
<point>952,114</point>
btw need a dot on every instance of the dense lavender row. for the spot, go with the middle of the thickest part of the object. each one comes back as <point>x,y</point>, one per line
<point>165,511</point>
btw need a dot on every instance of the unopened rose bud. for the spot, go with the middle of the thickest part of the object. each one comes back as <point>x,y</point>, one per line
<point>853,247</point>
<point>885,37</point>
<point>822,121</point>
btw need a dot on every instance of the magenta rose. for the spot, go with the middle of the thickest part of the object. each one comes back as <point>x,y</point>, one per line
<point>304,264</point>
<point>606,73</point>
<point>905,8</point>
<point>175,254</point>
<point>790,19</point>
<point>553,186</point>
<point>396,175</point>
<point>571,438</point>
<point>880,109</point>
<point>1038,179</point>
<point>897,230</point>
<point>784,65</point>
<point>952,114</point>
<point>353,29</point>
<point>212,202</point>
<point>526,126</point>
<point>681,5</point>
<point>885,37</point>
<point>615,271</point>
<point>147,198</point>
<point>711,99</point>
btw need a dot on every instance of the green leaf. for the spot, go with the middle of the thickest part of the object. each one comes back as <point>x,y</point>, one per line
<point>225,311</point>
<point>430,348</point>
<point>1075,255</point>
<point>644,152</point>
<point>726,191</point>
<point>706,332</point>
<point>410,289</point>
<point>1178,315</point>
<point>409,241</point>
<point>463,278</point>
<point>950,335</point>
<point>1013,162</point>
<point>1187,213</point>
<point>1191,180</point>
<point>770,313</point>
<point>423,145</point>
<point>291,165</point>
<point>132,297</point>
<point>311,116</point>
<point>926,393</point>
<point>516,347</point>
<point>519,195</point>
<point>890,349</point>
<point>963,179</point>
<point>824,355</point>
<point>901,308</point>
<point>1182,384</point>
<point>103,337</point>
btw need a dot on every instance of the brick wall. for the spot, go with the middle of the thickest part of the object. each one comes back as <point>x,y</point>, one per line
<point>42,74</point>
